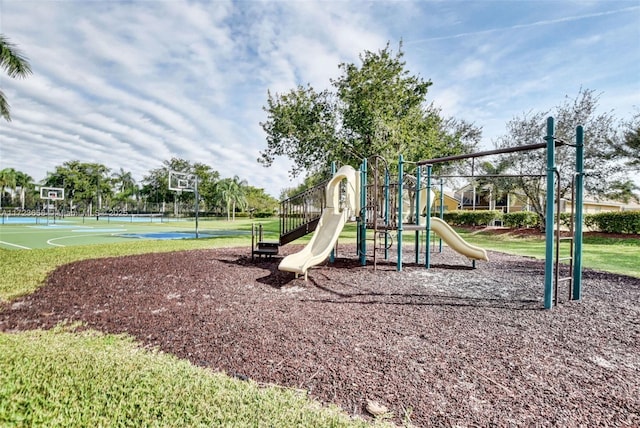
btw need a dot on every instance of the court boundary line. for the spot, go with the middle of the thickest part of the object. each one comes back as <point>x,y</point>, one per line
<point>15,245</point>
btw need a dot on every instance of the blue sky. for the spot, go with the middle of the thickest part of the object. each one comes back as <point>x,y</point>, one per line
<point>132,83</point>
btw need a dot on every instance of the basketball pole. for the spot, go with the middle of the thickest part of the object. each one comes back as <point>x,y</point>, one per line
<point>197,204</point>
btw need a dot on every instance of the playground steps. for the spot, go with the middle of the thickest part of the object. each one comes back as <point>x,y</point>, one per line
<point>266,248</point>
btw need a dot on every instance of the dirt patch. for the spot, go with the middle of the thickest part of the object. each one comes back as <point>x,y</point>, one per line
<point>440,347</point>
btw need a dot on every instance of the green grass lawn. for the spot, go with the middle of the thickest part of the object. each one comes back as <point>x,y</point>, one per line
<point>617,255</point>
<point>67,377</point>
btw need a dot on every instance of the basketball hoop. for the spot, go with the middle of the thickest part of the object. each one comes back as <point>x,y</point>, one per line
<point>52,193</point>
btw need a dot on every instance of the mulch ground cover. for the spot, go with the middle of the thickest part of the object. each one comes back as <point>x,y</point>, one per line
<point>448,346</point>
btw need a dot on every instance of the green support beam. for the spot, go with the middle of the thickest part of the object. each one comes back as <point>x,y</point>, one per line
<point>400,189</point>
<point>579,201</point>
<point>549,214</point>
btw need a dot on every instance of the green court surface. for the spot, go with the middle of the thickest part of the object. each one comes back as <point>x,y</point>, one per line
<point>74,231</point>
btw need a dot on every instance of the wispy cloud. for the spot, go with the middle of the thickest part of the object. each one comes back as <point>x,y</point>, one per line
<point>131,84</point>
<point>560,20</point>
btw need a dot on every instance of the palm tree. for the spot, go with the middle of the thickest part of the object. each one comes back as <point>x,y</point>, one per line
<point>15,64</point>
<point>23,181</point>
<point>498,187</point>
<point>125,185</point>
<point>231,192</point>
<point>7,181</point>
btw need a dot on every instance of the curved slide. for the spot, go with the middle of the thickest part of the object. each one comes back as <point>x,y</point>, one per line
<point>455,241</point>
<point>330,225</point>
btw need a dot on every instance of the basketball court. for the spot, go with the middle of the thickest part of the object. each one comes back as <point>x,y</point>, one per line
<point>41,232</point>
<point>47,229</point>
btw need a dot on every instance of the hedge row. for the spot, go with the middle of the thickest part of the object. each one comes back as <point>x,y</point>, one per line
<point>614,222</point>
<point>521,219</point>
<point>609,222</point>
<point>471,218</point>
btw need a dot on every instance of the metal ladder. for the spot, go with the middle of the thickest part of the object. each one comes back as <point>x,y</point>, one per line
<point>557,279</point>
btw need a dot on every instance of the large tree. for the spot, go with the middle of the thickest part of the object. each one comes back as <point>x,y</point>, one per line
<point>259,201</point>
<point>85,184</point>
<point>629,147</point>
<point>24,182</point>
<point>7,181</point>
<point>600,129</point>
<point>156,182</point>
<point>16,65</point>
<point>378,108</point>
<point>231,192</point>
<point>207,180</point>
<point>125,187</point>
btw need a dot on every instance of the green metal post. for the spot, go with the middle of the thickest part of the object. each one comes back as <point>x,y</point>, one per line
<point>332,256</point>
<point>400,176</point>
<point>549,221</point>
<point>427,263</point>
<point>441,211</point>
<point>386,213</point>
<point>362,229</point>
<point>577,237</point>
<point>417,213</point>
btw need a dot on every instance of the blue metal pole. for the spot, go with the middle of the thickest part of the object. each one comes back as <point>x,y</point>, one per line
<point>399,220</point>
<point>427,263</point>
<point>417,210</point>
<point>332,256</point>
<point>549,215</point>
<point>577,234</point>
<point>362,230</point>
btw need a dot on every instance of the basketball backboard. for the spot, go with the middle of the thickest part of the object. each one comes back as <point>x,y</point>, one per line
<point>182,181</point>
<point>52,193</point>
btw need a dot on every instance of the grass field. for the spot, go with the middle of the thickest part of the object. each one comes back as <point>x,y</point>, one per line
<point>617,255</point>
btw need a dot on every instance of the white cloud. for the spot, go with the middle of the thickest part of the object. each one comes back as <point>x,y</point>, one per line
<point>131,84</point>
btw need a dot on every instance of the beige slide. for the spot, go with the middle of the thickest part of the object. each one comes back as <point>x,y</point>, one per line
<point>455,241</point>
<point>333,219</point>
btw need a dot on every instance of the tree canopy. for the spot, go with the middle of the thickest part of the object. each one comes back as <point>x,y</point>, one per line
<point>16,65</point>
<point>377,108</point>
<point>629,147</point>
<point>601,131</point>
<point>84,183</point>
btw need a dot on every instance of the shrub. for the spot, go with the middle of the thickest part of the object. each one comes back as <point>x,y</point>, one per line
<point>590,221</point>
<point>565,219</point>
<point>471,218</point>
<point>614,222</point>
<point>263,214</point>
<point>521,219</point>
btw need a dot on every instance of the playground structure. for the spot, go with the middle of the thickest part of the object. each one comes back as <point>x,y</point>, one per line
<point>385,207</point>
